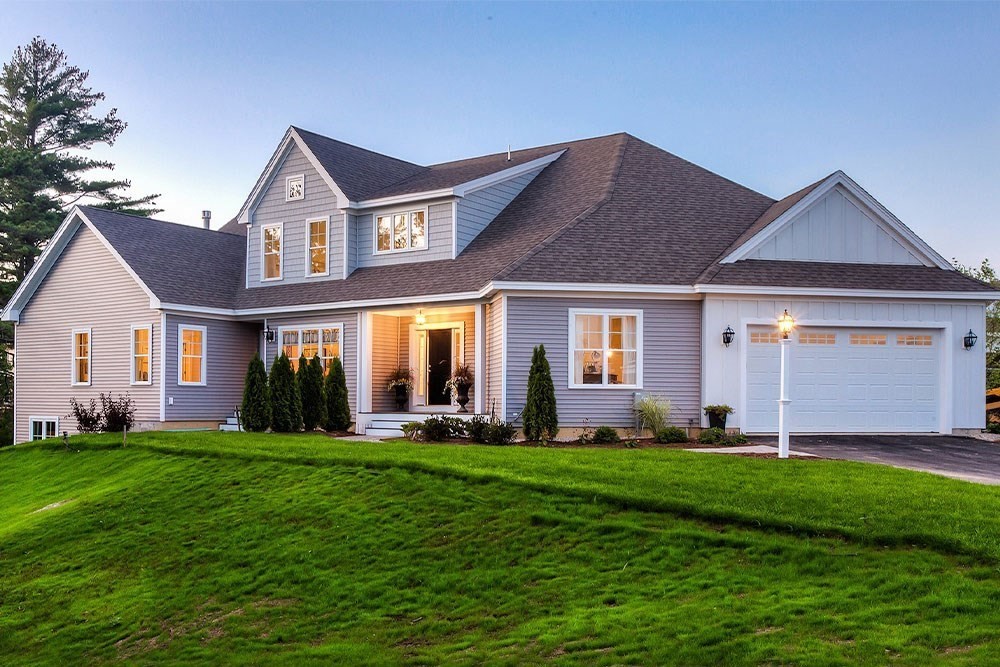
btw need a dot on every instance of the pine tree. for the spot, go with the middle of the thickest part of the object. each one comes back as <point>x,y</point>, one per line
<point>310,377</point>
<point>286,406</point>
<point>338,409</point>
<point>256,407</point>
<point>540,419</point>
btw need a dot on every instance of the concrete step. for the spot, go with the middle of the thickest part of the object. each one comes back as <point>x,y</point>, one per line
<point>383,432</point>
<point>232,421</point>
<point>229,427</point>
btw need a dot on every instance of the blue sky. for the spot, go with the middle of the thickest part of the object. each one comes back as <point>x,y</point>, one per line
<point>904,98</point>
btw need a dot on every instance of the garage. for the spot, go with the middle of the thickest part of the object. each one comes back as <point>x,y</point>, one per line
<point>845,380</point>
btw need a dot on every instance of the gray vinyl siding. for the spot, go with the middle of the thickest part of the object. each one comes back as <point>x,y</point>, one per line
<point>229,346</point>
<point>439,229</point>
<point>352,240</point>
<point>671,358</point>
<point>479,208</point>
<point>87,287</point>
<point>348,346</point>
<point>494,355</point>
<point>319,201</point>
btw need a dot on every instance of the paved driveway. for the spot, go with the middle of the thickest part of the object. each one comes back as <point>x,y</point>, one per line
<point>963,458</point>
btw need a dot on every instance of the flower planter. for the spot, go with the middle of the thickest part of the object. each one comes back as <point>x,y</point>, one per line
<point>716,421</point>
<point>402,397</point>
<point>462,397</point>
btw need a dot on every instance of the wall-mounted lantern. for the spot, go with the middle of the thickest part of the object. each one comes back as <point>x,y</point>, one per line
<point>727,336</point>
<point>970,340</point>
<point>420,319</point>
<point>269,335</point>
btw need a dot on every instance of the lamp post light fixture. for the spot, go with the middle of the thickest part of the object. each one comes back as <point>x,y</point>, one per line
<point>785,325</point>
<point>970,340</point>
<point>727,336</point>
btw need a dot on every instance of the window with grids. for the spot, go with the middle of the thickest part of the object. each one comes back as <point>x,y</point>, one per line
<point>319,242</point>
<point>44,427</point>
<point>81,356</point>
<point>812,338</point>
<point>192,360</point>
<point>914,340</point>
<point>759,337</point>
<point>868,339</point>
<point>271,252</point>
<point>323,341</point>
<point>142,354</point>
<point>605,349</point>
<point>401,231</point>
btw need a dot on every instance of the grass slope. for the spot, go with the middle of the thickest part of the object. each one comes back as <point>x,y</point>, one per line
<point>234,548</point>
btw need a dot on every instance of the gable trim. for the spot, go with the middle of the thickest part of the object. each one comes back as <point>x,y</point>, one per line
<point>51,254</point>
<point>884,218</point>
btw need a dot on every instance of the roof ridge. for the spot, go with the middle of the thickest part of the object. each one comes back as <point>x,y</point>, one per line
<point>104,211</point>
<point>552,146</point>
<point>609,191</point>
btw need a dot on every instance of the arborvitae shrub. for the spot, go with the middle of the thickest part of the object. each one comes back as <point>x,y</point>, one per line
<point>338,409</point>
<point>286,408</point>
<point>256,408</point>
<point>310,377</point>
<point>541,422</point>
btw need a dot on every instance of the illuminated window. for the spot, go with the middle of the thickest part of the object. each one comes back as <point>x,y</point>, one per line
<point>271,242</point>
<point>81,356</point>
<point>914,340</point>
<point>868,339</point>
<point>605,348</point>
<point>319,242</point>
<point>192,354</point>
<point>765,337</point>
<point>406,230</point>
<point>811,338</point>
<point>323,341</point>
<point>142,354</point>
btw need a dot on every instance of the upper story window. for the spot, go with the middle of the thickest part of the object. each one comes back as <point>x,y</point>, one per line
<point>142,354</point>
<point>405,230</point>
<point>271,256</point>
<point>191,362</point>
<point>606,348</point>
<point>81,356</point>
<point>319,245</point>
<point>295,188</point>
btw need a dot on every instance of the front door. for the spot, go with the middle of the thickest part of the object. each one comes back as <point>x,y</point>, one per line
<point>438,365</point>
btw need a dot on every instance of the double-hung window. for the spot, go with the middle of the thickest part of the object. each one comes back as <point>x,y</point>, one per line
<point>81,357</point>
<point>142,354</point>
<point>606,348</point>
<point>323,341</point>
<point>319,247</point>
<point>271,252</point>
<point>192,354</point>
<point>405,230</point>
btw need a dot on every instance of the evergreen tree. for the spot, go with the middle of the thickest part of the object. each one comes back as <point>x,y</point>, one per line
<point>286,406</point>
<point>338,409</point>
<point>540,419</point>
<point>310,378</point>
<point>256,406</point>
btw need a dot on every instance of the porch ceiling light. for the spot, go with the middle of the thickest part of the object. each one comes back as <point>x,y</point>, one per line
<point>727,336</point>
<point>970,340</point>
<point>785,324</point>
<point>421,318</point>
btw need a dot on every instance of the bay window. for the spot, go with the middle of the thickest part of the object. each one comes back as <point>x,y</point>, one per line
<point>605,348</point>
<point>405,230</point>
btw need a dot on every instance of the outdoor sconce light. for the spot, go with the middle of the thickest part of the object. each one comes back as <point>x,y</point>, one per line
<point>727,336</point>
<point>785,324</point>
<point>970,340</point>
<point>420,318</point>
<point>269,335</point>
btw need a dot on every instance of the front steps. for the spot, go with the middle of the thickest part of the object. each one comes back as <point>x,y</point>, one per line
<point>389,424</point>
<point>232,424</point>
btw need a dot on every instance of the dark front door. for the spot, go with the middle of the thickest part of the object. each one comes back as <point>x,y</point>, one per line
<point>438,365</point>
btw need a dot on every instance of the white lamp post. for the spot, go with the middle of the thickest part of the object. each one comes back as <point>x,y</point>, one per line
<point>785,325</point>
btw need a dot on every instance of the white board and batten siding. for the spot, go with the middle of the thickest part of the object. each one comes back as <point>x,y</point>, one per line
<point>478,209</point>
<point>87,288</point>
<point>439,239</point>
<point>671,358</point>
<point>836,228</point>
<point>319,201</point>
<point>840,387</point>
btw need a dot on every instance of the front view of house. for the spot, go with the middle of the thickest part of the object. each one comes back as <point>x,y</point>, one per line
<point>628,263</point>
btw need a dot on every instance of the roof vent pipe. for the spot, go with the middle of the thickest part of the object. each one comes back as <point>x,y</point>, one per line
<point>206,219</point>
<point>508,152</point>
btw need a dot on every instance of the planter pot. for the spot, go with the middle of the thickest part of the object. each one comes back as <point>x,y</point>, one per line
<point>717,421</point>
<point>462,398</point>
<point>402,397</point>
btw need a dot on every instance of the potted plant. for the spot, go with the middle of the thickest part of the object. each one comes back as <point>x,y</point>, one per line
<point>401,382</point>
<point>717,415</point>
<point>458,385</point>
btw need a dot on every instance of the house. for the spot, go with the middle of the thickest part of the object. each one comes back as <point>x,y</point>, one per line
<point>626,261</point>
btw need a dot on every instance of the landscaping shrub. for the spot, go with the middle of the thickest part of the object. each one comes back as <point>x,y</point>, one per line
<point>652,412</point>
<point>256,407</point>
<point>500,433</point>
<point>118,413</point>
<point>286,406</point>
<point>88,418</point>
<point>671,434</point>
<point>993,427</point>
<point>712,436</point>
<point>605,435</point>
<point>338,409</point>
<point>477,429</point>
<point>310,379</point>
<point>541,422</point>
<point>434,429</point>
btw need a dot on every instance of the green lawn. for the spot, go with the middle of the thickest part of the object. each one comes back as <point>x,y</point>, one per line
<point>250,549</point>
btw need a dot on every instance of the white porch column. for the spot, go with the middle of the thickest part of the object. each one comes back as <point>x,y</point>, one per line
<point>480,370</point>
<point>365,331</point>
<point>783,402</point>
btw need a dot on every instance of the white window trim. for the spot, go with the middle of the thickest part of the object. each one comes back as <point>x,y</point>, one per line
<point>31,427</point>
<point>326,271</point>
<point>131,358</point>
<point>288,180</point>
<point>90,358</point>
<point>339,326</point>
<point>571,347</point>
<point>180,354</point>
<point>392,251</point>
<point>281,252</point>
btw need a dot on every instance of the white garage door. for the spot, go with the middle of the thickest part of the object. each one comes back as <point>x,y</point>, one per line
<point>846,380</point>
